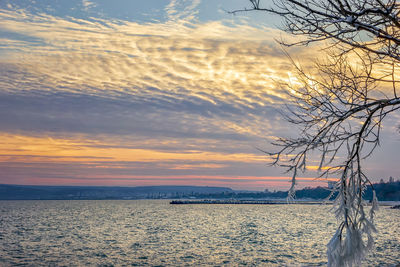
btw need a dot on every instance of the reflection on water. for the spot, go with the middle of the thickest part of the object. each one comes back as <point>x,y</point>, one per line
<point>143,233</point>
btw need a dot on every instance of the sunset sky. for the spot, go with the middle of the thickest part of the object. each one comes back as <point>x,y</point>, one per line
<point>155,92</point>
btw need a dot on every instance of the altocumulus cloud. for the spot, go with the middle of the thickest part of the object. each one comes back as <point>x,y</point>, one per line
<point>194,97</point>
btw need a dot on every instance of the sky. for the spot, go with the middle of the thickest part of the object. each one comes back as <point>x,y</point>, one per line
<point>156,92</point>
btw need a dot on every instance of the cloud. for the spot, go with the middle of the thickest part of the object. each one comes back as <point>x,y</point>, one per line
<point>204,79</point>
<point>88,4</point>
<point>178,98</point>
<point>208,61</point>
<point>173,98</point>
<point>180,10</point>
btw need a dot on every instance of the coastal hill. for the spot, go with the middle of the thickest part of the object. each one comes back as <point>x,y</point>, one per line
<point>385,191</point>
<point>32,192</point>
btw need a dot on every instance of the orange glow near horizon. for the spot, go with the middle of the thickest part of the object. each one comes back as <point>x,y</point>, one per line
<point>62,155</point>
<point>41,149</point>
<point>281,183</point>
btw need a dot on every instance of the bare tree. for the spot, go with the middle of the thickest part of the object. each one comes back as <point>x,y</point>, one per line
<point>340,108</point>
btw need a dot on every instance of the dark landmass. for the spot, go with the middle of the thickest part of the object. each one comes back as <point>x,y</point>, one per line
<point>389,191</point>
<point>31,192</point>
<point>385,191</point>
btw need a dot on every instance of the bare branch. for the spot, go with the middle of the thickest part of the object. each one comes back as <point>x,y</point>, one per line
<point>370,25</point>
<point>340,108</point>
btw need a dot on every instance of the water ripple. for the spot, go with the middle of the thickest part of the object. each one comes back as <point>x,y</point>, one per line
<point>154,233</point>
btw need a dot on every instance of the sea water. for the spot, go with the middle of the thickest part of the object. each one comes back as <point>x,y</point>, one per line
<point>155,233</point>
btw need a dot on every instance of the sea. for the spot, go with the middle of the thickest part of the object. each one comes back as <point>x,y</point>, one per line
<point>156,233</point>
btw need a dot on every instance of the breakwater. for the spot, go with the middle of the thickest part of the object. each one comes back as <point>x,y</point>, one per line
<point>239,201</point>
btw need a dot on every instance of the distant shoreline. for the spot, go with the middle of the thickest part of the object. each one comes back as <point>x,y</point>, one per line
<point>389,192</point>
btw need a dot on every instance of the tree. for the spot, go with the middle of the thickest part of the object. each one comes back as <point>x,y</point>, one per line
<point>340,108</point>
